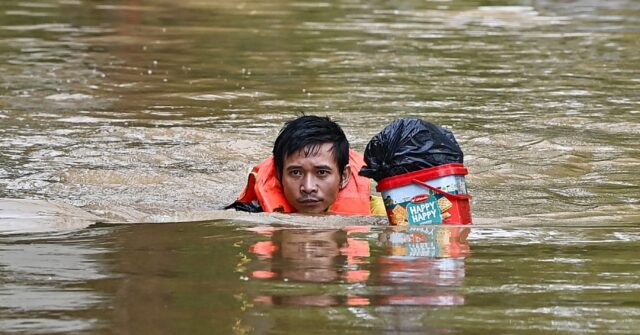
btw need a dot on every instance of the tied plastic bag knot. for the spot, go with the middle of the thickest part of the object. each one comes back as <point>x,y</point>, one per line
<point>408,145</point>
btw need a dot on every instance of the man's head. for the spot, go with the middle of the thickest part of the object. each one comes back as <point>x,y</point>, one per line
<point>311,156</point>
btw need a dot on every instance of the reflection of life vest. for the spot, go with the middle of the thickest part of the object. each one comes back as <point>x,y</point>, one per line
<point>356,251</point>
<point>264,186</point>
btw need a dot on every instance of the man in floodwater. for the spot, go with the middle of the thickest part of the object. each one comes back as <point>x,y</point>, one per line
<point>312,171</point>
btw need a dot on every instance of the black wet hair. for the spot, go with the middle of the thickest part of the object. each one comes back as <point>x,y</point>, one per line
<point>308,133</point>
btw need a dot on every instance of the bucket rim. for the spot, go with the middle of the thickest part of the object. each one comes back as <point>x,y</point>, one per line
<point>423,175</point>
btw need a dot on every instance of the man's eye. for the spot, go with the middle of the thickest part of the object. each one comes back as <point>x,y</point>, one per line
<point>295,173</point>
<point>323,172</point>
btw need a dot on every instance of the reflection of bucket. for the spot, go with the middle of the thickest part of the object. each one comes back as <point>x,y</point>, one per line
<point>430,196</point>
<point>431,241</point>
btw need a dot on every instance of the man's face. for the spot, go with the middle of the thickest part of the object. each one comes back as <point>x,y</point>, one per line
<point>311,183</point>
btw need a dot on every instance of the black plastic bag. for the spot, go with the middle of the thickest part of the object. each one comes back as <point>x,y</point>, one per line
<point>408,145</point>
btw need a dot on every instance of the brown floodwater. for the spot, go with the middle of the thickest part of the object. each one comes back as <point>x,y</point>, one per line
<point>144,116</point>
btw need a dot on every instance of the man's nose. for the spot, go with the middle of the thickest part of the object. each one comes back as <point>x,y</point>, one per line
<point>309,184</point>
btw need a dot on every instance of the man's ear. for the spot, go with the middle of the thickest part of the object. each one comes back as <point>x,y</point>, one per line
<point>346,175</point>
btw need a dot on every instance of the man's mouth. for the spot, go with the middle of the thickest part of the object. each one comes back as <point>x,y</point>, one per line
<point>309,201</point>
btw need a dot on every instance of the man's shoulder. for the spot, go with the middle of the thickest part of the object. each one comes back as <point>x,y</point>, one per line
<point>251,207</point>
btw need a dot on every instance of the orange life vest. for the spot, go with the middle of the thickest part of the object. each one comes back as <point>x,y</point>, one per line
<point>263,186</point>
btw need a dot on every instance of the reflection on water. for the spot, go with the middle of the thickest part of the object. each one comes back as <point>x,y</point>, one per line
<point>235,278</point>
<point>430,257</point>
<point>310,255</point>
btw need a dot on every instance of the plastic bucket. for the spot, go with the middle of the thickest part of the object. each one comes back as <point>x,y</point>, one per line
<point>436,195</point>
